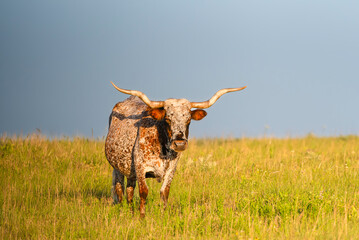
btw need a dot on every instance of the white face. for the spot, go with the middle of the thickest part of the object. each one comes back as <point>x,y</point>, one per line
<point>178,117</point>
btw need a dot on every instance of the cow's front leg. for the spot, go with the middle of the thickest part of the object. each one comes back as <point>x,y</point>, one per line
<point>142,186</point>
<point>143,189</point>
<point>165,189</point>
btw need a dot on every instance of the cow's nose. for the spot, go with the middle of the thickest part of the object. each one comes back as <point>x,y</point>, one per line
<point>179,145</point>
<point>179,136</point>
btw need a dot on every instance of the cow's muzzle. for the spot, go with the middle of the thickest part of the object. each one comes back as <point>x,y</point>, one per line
<point>179,145</point>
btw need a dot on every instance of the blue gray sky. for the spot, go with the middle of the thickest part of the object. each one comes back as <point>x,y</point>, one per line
<point>299,59</point>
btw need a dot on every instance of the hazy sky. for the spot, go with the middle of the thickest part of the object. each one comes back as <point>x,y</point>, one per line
<point>299,59</point>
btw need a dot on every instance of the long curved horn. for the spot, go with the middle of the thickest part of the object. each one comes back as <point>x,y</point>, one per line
<point>215,97</point>
<point>152,104</point>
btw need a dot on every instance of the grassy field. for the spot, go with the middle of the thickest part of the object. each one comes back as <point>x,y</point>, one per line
<point>304,188</point>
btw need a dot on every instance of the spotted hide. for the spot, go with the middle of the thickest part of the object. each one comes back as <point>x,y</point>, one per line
<point>145,140</point>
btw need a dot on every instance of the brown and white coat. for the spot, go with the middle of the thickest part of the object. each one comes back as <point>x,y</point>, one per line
<point>145,140</point>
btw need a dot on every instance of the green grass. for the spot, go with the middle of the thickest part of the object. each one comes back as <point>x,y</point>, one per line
<point>304,188</point>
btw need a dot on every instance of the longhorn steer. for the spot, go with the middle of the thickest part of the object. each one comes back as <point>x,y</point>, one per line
<point>146,138</point>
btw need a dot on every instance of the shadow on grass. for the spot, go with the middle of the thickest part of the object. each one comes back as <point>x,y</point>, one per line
<point>84,193</point>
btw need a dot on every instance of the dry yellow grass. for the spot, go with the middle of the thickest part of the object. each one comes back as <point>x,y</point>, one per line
<point>304,188</point>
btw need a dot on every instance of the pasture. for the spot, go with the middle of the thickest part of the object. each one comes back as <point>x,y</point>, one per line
<point>305,188</point>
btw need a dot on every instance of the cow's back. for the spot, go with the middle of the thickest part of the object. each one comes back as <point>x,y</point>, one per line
<point>123,127</point>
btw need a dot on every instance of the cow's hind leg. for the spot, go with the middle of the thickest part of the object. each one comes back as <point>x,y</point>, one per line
<point>130,187</point>
<point>131,184</point>
<point>118,186</point>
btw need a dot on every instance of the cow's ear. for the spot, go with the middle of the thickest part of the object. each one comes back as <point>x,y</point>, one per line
<point>157,113</point>
<point>198,114</point>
